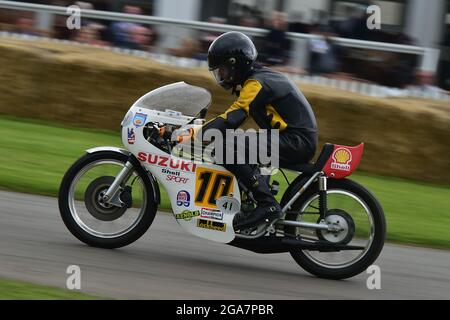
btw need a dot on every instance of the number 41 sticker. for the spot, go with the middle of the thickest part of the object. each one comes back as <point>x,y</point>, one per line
<point>228,205</point>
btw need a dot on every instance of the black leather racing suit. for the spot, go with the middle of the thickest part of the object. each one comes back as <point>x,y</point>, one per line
<point>274,102</point>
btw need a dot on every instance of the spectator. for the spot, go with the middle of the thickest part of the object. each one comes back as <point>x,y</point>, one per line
<point>320,19</point>
<point>297,25</point>
<point>130,35</point>
<point>90,34</point>
<point>250,22</point>
<point>26,26</point>
<point>60,30</point>
<point>189,49</point>
<point>142,38</point>
<point>276,45</point>
<point>84,6</point>
<point>355,27</point>
<point>324,53</point>
<point>208,38</point>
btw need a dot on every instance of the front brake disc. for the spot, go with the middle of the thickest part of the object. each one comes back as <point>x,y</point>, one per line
<point>93,199</point>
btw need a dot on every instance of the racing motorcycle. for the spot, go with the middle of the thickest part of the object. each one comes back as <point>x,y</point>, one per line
<point>333,227</point>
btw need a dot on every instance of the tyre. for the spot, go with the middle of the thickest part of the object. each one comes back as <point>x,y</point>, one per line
<point>99,224</point>
<point>361,220</point>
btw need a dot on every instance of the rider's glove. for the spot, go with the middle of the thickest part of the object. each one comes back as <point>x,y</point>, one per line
<point>185,134</point>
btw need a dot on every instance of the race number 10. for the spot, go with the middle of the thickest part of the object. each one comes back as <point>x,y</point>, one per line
<point>210,185</point>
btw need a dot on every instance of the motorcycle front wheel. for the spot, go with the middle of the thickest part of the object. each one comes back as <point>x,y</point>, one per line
<point>99,224</point>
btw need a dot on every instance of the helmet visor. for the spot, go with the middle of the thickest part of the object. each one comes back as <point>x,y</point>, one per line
<point>221,74</point>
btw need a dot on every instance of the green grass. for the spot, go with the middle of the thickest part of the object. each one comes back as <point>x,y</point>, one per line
<point>19,290</point>
<point>34,156</point>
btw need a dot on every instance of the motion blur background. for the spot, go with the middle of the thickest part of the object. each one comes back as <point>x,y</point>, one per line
<point>410,22</point>
<point>388,88</point>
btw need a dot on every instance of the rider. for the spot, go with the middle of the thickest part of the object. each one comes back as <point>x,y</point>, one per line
<point>274,102</point>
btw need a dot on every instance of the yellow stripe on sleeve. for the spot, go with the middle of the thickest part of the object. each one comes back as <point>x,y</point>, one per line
<point>248,93</point>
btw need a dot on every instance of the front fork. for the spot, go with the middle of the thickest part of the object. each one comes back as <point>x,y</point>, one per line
<point>112,195</point>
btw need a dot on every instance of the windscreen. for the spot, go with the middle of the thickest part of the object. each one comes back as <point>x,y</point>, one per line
<point>180,96</point>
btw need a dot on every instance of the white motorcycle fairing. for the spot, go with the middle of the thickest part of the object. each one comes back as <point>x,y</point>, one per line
<point>117,206</point>
<point>192,186</point>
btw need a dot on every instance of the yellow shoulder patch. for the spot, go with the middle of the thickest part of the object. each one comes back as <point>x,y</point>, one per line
<point>277,121</point>
<point>248,93</point>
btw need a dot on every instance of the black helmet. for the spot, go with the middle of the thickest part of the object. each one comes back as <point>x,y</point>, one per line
<point>230,58</point>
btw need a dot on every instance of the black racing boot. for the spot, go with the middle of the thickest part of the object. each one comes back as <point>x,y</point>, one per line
<point>266,205</point>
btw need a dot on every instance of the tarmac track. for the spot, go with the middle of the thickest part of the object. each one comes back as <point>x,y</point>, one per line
<point>167,263</point>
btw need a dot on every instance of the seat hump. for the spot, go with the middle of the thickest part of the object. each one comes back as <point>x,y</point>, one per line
<point>325,154</point>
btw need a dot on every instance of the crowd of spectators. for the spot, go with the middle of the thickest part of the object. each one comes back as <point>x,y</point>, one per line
<point>127,35</point>
<point>275,49</point>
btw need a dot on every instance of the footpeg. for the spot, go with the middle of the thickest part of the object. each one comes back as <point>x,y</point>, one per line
<point>275,187</point>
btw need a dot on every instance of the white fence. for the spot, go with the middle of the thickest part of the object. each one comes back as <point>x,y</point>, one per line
<point>429,61</point>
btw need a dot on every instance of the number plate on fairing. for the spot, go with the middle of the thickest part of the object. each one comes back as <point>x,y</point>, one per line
<point>210,185</point>
<point>228,205</point>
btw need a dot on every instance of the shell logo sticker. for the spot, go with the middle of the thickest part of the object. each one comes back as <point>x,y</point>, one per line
<point>342,157</point>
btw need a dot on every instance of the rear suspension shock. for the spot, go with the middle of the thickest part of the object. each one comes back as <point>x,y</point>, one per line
<point>322,196</point>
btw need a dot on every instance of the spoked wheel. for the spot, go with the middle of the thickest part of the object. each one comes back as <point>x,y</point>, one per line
<point>358,220</point>
<point>95,222</point>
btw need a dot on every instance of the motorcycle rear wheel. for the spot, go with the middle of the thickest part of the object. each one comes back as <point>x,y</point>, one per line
<point>311,261</point>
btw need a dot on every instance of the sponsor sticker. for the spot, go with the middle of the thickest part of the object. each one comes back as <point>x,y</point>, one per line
<point>174,176</point>
<point>131,136</point>
<point>212,214</point>
<point>139,119</point>
<point>167,162</point>
<point>183,198</point>
<point>176,179</point>
<point>174,173</point>
<point>187,215</point>
<point>127,120</point>
<point>341,159</point>
<point>211,225</point>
